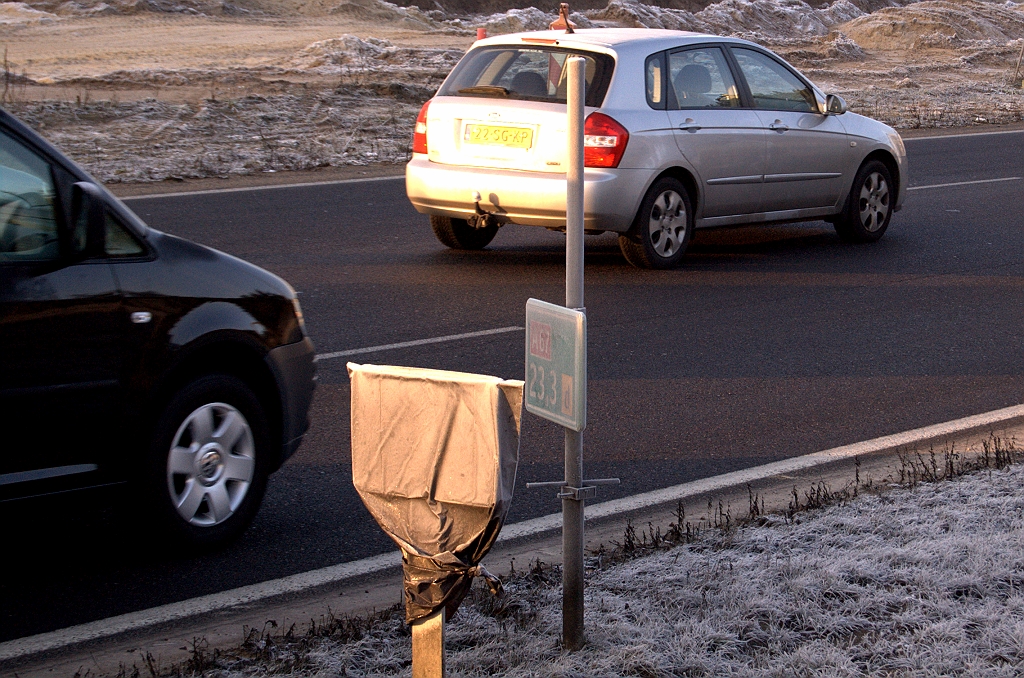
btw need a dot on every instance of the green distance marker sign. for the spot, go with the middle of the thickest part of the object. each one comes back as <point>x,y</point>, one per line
<point>556,364</point>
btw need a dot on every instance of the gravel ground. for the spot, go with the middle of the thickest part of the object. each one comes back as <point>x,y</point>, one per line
<point>352,100</point>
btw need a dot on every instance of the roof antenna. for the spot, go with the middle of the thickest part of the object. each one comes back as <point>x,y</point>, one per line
<point>563,19</point>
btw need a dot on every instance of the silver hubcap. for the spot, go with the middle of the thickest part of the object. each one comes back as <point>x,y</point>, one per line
<point>667,226</point>
<point>211,464</point>
<point>874,202</point>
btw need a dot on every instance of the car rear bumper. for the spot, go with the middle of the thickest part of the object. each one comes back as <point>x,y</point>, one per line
<point>295,373</point>
<point>611,196</point>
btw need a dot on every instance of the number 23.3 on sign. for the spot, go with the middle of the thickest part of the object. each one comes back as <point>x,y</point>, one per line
<point>556,364</point>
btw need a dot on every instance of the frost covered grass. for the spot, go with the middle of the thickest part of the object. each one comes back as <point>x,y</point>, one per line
<point>152,140</point>
<point>914,577</point>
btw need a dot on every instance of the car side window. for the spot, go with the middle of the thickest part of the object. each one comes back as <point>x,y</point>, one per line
<point>773,86</point>
<point>119,241</point>
<point>28,205</point>
<point>655,77</point>
<point>700,78</point>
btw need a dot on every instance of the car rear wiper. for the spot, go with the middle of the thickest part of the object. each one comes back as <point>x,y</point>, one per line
<point>486,90</point>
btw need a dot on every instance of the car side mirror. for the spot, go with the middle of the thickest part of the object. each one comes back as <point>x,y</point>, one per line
<point>835,104</point>
<point>88,221</point>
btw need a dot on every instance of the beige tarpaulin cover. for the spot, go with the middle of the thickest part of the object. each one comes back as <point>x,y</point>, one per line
<point>434,457</point>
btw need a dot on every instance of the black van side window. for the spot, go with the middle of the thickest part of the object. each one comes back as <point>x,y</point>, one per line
<point>28,212</point>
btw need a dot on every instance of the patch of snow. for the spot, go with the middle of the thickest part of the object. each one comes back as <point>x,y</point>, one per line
<point>349,53</point>
<point>379,10</point>
<point>519,20</point>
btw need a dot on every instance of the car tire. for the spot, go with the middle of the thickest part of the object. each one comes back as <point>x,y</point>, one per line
<point>661,231</point>
<point>868,208</point>
<point>209,460</point>
<point>459,235</point>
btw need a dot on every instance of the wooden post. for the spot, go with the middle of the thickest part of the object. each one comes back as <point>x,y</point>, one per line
<point>428,646</point>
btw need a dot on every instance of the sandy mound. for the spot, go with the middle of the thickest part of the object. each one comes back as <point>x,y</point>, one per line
<point>517,20</point>
<point>127,7</point>
<point>377,11</point>
<point>937,23</point>
<point>779,18</point>
<point>463,8</point>
<point>349,54</point>
<point>20,13</point>
<point>775,18</point>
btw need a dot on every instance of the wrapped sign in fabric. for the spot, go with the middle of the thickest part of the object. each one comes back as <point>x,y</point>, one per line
<point>434,457</point>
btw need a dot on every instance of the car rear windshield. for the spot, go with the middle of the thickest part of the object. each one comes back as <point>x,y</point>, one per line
<point>527,72</point>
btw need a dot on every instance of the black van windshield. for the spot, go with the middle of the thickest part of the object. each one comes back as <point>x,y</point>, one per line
<point>526,72</point>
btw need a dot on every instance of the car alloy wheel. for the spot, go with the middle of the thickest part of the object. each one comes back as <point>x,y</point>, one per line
<point>874,202</point>
<point>667,224</point>
<point>661,229</point>
<point>211,464</point>
<point>868,209</point>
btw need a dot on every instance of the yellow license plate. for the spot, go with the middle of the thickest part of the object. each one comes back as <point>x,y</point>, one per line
<point>493,135</point>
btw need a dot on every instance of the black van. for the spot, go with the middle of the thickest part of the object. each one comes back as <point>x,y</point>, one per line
<point>131,356</point>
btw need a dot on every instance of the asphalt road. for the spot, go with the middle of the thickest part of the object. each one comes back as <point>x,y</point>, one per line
<point>767,343</point>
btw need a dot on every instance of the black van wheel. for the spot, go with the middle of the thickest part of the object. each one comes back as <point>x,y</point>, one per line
<point>208,461</point>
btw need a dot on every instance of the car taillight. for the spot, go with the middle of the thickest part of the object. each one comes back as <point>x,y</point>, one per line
<point>419,134</point>
<point>604,141</point>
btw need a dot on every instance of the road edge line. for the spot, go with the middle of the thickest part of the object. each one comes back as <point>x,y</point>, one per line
<point>933,137</point>
<point>268,187</point>
<point>172,612</point>
<point>336,182</point>
<point>963,183</point>
<point>24,648</point>
<point>875,446</point>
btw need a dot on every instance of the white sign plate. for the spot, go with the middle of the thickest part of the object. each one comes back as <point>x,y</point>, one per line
<point>556,364</point>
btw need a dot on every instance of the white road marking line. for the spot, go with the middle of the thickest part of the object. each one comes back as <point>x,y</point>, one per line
<point>296,583</point>
<point>271,187</point>
<point>417,342</point>
<point>966,134</point>
<point>962,183</point>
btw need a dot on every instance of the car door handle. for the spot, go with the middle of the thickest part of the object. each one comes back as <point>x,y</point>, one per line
<point>778,126</point>
<point>689,125</point>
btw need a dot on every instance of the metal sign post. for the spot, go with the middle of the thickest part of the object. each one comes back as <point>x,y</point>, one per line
<point>572,506</point>
<point>556,369</point>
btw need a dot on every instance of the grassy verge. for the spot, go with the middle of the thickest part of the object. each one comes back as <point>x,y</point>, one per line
<point>919,573</point>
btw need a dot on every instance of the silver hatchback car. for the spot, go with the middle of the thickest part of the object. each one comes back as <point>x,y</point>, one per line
<point>682,131</point>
